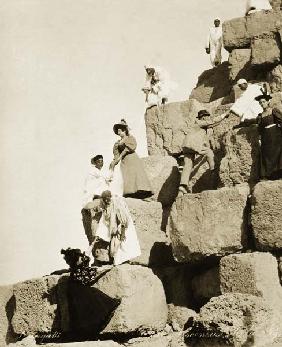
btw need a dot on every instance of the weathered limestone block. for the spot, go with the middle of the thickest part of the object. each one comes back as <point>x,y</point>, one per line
<point>252,273</point>
<point>237,320</point>
<point>143,303</point>
<point>274,79</point>
<point>167,124</point>
<point>212,84</point>
<point>265,50</point>
<point>238,32</point>
<point>149,218</point>
<point>28,341</point>
<point>6,311</point>
<point>239,65</point>
<point>276,4</point>
<point>206,285</point>
<point>235,34</point>
<point>209,223</point>
<point>241,161</point>
<point>178,316</point>
<point>37,305</point>
<point>164,176</point>
<point>159,340</point>
<point>266,216</point>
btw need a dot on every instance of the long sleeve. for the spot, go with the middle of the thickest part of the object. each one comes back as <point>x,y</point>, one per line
<point>211,122</point>
<point>208,40</point>
<point>130,143</point>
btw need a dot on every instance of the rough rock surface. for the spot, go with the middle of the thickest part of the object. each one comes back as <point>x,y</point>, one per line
<point>274,79</point>
<point>150,219</point>
<point>166,126</point>
<point>236,319</point>
<point>240,66</point>
<point>143,303</point>
<point>267,215</point>
<point>252,273</point>
<point>178,316</point>
<point>209,223</point>
<point>238,32</point>
<point>37,306</point>
<point>206,285</point>
<point>241,161</point>
<point>164,176</point>
<point>265,49</point>
<point>212,84</point>
<point>6,311</point>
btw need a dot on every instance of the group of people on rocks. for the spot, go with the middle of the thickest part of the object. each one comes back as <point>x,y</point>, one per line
<point>104,205</point>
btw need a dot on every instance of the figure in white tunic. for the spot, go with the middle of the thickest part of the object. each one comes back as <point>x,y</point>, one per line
<point>115,227</point>
<point>246,107</point>
<point>257,5</point>
<point>214,43</point>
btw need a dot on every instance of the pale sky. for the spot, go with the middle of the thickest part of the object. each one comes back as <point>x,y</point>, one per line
<point>68,71</point>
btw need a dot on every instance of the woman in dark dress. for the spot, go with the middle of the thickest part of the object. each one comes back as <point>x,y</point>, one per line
<point>270,129</point>
<point>269,125</point>
<point>135,181</point>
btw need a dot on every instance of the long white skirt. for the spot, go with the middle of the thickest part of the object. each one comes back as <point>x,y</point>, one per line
<point>116,185</point>
<point>128,249</point>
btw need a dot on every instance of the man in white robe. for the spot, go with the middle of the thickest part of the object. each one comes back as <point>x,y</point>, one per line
<point>97,180</point>
<point>257,5</point>
<point>214,43</point>
<point>246,107</point>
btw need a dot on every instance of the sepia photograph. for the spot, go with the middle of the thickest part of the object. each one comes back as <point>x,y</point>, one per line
<point>141,173</point>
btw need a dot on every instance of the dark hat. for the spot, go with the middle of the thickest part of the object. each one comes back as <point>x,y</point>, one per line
<point>203,113</point>
<point>263,96</point>
<point>106,194</point>
<point>98,156</point>
<point>121,125</point>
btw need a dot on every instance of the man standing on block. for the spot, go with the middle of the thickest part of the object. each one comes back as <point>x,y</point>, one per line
<point>214,43</point>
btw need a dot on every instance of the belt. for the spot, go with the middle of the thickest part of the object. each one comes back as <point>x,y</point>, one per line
<point>270,126</point>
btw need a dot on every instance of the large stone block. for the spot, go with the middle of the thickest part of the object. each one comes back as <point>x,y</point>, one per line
<point>164,176</point>
<point>209,223</point>
<point>252,273</point>
<point>37,306</point>
<point>276,4</point>
<point>6,312</point>
<point>237,320</point>
<point>159,340</point>
<point>206,285</point>
<point>235,34</point>
<point>238,32</point>
<point>241,161</point>
<point>124,299</point>
<point>274,79</point>
<point>166,126</point>
<point>239,65</point>
<point>212,84</point>
<point>267,215</point>
<point>150,222</point>
<point>143,303</point>
<point>265,50</point>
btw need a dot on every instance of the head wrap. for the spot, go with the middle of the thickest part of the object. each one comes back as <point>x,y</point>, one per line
<point>241,81</point>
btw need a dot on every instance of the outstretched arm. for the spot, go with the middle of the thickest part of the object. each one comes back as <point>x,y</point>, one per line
<point>212,122</point>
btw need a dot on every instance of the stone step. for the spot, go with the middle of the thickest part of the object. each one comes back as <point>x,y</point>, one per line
<point>209,223</point>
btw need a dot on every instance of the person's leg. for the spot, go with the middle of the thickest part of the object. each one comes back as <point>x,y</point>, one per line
<point>187,168</point>
<point>210,158</point>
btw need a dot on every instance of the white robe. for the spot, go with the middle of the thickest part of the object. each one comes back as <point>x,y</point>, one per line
<point>257,5</point>
<point>129,248</point>
<point>246,106</point>
<point>214,43</point>
<point>95,183</point>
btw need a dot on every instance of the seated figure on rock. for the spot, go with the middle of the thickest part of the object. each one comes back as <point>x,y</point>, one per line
<point>257,5</point>
<point>157,86</point>
<point>197,142</point>
<point>112,223</point>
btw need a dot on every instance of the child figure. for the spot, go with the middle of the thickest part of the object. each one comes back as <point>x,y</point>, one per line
<point>197,142</point>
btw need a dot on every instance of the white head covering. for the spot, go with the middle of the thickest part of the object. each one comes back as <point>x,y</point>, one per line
<point>241,81</point>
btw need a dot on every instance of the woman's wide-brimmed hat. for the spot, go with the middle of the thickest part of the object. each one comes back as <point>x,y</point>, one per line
<point>121,125</point>
<point>203,113</point>
<point>264,96</point>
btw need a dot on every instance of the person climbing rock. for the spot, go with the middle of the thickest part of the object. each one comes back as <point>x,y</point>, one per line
<point>197,142</point>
